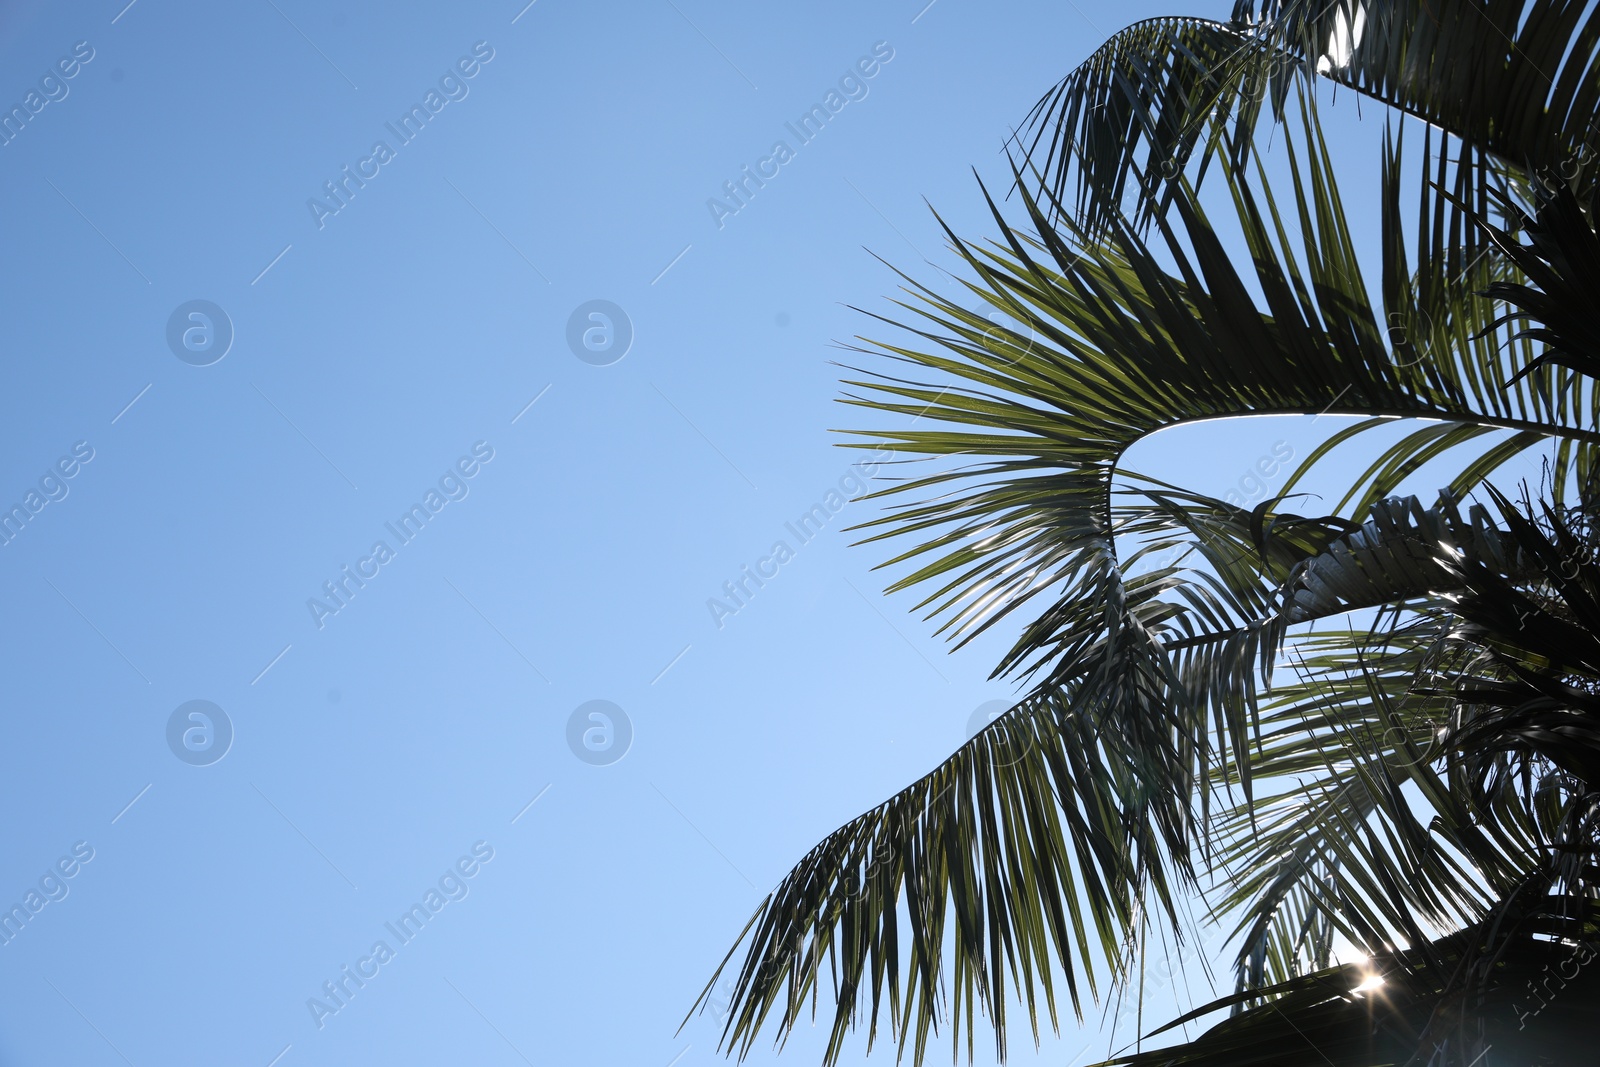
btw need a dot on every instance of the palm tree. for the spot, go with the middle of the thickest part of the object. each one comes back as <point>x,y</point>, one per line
<point>1422,789</point>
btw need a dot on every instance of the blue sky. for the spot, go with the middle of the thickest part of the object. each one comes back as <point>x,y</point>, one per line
<point>378,353</point>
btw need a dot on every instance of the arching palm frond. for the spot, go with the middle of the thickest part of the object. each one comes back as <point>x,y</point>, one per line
<point>1514,80</point>
<point>1131,117</point>
<point>1124,345</point>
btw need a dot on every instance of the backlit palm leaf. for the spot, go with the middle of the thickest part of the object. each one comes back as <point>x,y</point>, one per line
<point>1513,79</point>
<point>1055,834</point>
<point>1144,756</point>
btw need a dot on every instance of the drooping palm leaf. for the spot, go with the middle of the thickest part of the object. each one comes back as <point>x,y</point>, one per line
<point>984,858</point>
<point>1363,838</point>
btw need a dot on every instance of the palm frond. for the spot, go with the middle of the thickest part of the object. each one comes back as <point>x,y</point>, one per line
<point>1561,265</point>
<point>1000,874</point>
<point>1129,340</point>
<point>1362,838</point>
<point>1514,80</point>
<point>1394,557</point>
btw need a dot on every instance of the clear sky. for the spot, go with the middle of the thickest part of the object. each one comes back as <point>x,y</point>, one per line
<point>225,385</point>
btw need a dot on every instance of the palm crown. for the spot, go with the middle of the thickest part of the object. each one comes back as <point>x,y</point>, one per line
<point>1422,787</point>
